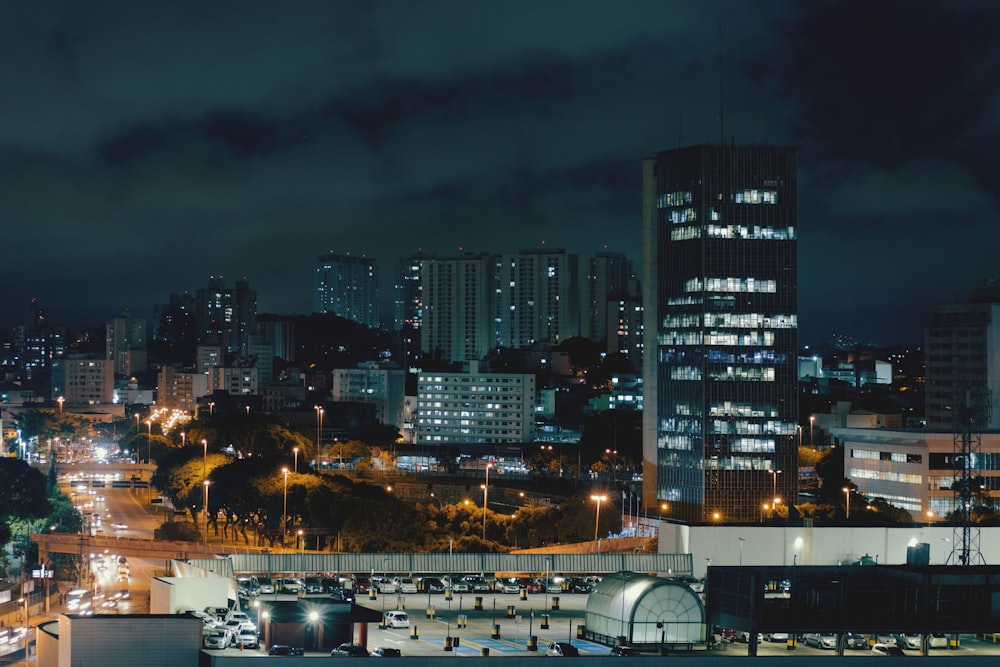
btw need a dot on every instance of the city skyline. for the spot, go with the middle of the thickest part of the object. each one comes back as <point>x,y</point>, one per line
<point>147,149</point>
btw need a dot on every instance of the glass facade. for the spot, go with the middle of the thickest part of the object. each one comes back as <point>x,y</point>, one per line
<point>721,226</point>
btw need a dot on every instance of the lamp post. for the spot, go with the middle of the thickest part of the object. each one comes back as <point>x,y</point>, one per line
<point>597,519</point>
<point>486,491</point>
<point>774,482</point>
<point>204,460</point>
<point>284,507</point>
<point>206,483</point>
<point>812,421</point>
<point>847,501</point>
<point>25,601</point>
<point>61,400</point>
<point>742,540</point>
<point>183,439</point>
<point>319,429</point>
<point>295,451</point>
<point>149,459</point>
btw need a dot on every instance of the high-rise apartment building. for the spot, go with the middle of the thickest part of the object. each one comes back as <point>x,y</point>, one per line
<point>347,286</point>
<point>226,316</point>
<point>82,381</point>
<point>538,298</point>
<point>125,343</point>
<point>371,382</point>
<point>720,298</point>
<point>609,278</point>
<point>962,353</point>
<point>458,307</point>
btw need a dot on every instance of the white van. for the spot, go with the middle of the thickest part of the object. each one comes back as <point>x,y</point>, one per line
<point>397,619</point>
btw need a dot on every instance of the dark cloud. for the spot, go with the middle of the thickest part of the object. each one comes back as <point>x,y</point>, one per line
<point>146,146</point>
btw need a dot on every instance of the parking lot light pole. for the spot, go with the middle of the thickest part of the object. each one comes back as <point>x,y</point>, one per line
<point>597,518</point>
<point>284,507</point>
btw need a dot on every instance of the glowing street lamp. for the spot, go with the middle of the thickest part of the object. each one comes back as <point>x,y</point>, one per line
<point>295,451</point>
<point>774,480</point>
<point>319,428</point>
<point>812,421</point>
<point>284,507</point>
<point>61,400</point>
<point>206,483</point>
<point>149,459</point>
<point>486,491</point>
<point>847,501</point>
<point>597,519</point>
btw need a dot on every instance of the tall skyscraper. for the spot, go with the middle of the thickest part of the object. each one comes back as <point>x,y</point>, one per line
<point>347,286</point>
<point>125,343</point>
<point>226,317</point>
<point>720,350</point>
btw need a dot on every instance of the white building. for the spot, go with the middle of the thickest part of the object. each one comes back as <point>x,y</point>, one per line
<point>475,407</point>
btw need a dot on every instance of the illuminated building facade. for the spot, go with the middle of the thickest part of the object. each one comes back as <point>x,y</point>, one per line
<point>347,286</point>
<point>720,302</point>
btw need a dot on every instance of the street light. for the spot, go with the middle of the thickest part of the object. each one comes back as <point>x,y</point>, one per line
<point>206,483</point>
<point>61,400</point>
<point>149,459</point>
<point>742,540</point>
<point>319,428</point>
<point>847,501</point>
<point>486,491</point>
<point>812,420</point>
<point>774,485</point>
<point>204,460</point>
<point>302,542</point>
<point>284,507</point>
<point>597,519</point>
<point>25,601</point>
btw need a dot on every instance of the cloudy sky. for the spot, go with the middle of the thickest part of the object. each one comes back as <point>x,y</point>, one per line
<point>145,146</point>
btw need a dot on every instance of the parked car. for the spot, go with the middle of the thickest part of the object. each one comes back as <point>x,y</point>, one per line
<point>578,585</point>
<point>349,650</point>
<point>385,585</point>
<point>854,640</point>
<point>562,650</point>
<point>510,586</point>
<point>625,651</point>
<point>887,650</point>
<point>291,585</point>
<point>937,640</point>
<point>216,639</point>
<point>382,652</point>
<point>818,640</point>
<point>397,619</point>
<point>549,585</point>
<point>776,636</point>
<point>362,584</point>
<point>432,585</point>
<point>282,649</point>
<point>245,639</point>
<point>313,585</point>
<point>458,585</point>
<point>531,586</point>
<point>477,584</point>
<point>266,587</point>
<point>913,641</point>
<point>406,585</point>
<point>342,595</point>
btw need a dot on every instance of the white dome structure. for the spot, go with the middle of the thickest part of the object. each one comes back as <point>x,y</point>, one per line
<point>644,610</point>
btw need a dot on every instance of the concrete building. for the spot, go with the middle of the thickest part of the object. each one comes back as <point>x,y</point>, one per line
<point>721,324</point>
<point>178,389</point>
<point>83,381</point>
<point>374,383</point>
<point>347,286</point>
<point>126,343</point>
<point>609,277</point>
<point>475,407</point>
<point>458,307</point>
<point>538,298</point>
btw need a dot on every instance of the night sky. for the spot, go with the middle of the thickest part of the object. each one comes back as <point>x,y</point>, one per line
<point>147,146</point>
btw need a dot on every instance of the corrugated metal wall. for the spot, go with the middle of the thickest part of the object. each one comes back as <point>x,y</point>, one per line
<point>423,563</point>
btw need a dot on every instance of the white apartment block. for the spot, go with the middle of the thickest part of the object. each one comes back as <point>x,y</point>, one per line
<point>474,407</point>
<point>237,381</point>
<point>84,381</point>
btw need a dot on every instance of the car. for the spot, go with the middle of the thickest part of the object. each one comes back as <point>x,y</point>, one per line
<point>532,586</point>
<point>245,639</point>
<point>776,636</point>
<point>477,584</point>
<point>744,637</point>
<point>283,649</point>
<point>624,651</point>
<point>266,587</point>
<point>887,650</point>
<point>578,585</point>
<point>396,619</point>
<point>406,585</point>
<point>937,640</point>
<point>508,586</point>
<point>348,650</point>
<point>383,652</point>
<point>312,585</point>
<point>913,641</point>
<point>342,595</point>
<point>362,584</point>
<point>385,585</point>
<point>432,585</point>
<point>216,639</point>
<point>549,585</point>
<point>825,640</point>
<point>853,640</point>
<point>291,585</point>
<point>562,650</point>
